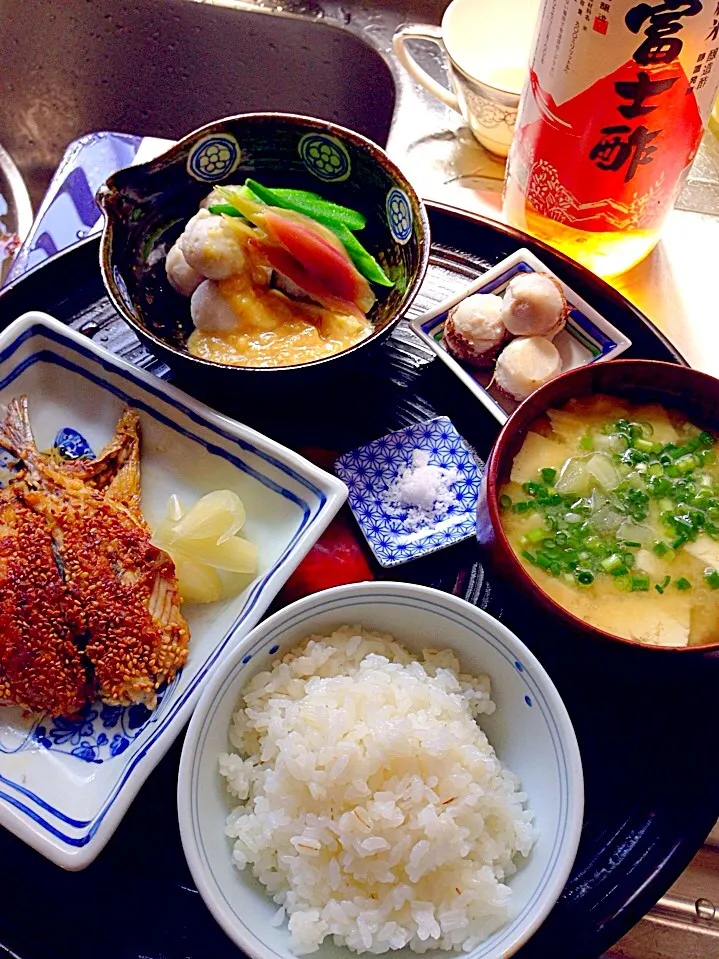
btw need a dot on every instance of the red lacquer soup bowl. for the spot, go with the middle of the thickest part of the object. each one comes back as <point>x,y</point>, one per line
<point>688,391</point>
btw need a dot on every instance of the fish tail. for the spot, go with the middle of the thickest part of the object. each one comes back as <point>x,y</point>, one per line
<point>16,434</point>
<point>125,485</point>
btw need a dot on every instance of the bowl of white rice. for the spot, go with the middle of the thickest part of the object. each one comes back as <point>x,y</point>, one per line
<point>380,767</point>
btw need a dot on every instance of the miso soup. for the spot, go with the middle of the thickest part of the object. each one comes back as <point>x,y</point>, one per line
<point>613,510</point>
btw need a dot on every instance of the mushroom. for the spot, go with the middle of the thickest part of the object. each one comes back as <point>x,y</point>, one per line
<point>474,330</point>
<point>526,364</point>
<point>534,305</point>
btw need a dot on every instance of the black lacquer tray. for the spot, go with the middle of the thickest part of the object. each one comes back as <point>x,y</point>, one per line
<point>652,779</point>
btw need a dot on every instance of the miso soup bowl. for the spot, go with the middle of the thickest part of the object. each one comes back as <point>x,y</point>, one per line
<point>689,391</point>
<point>147,206</point>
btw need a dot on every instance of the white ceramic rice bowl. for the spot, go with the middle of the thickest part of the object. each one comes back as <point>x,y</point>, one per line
<point>530,730</point>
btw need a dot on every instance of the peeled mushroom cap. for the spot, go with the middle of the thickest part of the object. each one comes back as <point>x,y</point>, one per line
<point>534,305</point>
<point>179,272</point>
<point>210,311</point>
<point>474,330</point>
<point>525,364</point>
<point>212,247</point>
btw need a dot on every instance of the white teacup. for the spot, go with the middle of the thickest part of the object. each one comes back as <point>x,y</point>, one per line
<point>488,43</point>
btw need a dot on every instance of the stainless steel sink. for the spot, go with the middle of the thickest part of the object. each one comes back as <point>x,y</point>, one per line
<point>163,67</point>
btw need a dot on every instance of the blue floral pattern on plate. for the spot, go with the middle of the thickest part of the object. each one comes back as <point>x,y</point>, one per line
<point>325,156</point>
<point>98,733</point>
<point>72,445</point>
<point>399,215</point>
<point>370,470</point>
<point>214,157</point>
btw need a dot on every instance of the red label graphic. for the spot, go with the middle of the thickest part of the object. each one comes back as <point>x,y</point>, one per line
<point>630,135</point>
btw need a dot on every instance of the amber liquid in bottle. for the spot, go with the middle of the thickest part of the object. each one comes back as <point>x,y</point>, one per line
<point>606,253</point>
<point>610,119</point>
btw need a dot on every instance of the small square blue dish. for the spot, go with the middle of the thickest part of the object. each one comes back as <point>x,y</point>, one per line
<point>369,471</point>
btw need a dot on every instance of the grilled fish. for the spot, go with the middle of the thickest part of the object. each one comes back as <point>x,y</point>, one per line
<point>132,636</point>
<point>41,667</point>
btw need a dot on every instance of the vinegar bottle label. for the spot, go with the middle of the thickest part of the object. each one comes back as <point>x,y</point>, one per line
<point>614,109</point>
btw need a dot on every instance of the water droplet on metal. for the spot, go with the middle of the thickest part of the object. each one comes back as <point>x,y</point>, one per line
<point>89,328</point>
<point>705,909</point>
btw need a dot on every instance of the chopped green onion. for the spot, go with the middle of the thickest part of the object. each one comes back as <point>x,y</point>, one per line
<point>631,543</point>
<point>584,577</point>
<point>535,536</point>
<point>530,556</point>
<point>622,583</point>
<point>645,446</point>
<point>587,443</point>
<point>711,576</point>
<point>611,563</point>
<point>549,475</point>
<point>660,587</point>
<point>505,501</point>
<point>639,583</point>
<point>706,439</point>
<point>687,463</point>
<point>682,583</point>
<point>661,548</point>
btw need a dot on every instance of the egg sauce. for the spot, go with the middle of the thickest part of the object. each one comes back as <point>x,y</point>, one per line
<point>674,604</point>
<point>273,330</point>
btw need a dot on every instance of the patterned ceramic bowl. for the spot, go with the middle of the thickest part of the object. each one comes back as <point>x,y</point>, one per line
<point>531,731</point>
<point>147,206</point>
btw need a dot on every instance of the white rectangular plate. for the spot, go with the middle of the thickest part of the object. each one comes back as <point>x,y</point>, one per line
<point>65,784</point>
<point>587,338</point>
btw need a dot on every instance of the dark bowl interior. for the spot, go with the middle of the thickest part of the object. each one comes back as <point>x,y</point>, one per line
<point>681,388</point>
<point>146,208</point>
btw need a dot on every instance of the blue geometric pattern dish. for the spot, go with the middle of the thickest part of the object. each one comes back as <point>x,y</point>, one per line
<point>587,338</point>
<point>369,471</point>
<point>65,783</point>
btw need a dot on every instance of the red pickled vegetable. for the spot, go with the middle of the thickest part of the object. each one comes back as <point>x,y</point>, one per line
<point>329,266</point>
<point>280,260</point>
<point>336,558</point>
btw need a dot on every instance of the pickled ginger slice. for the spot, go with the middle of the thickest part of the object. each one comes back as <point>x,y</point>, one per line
<point>219,515</point>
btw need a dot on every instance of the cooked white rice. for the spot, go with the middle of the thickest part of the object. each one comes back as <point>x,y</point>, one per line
<point>372,806</point>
